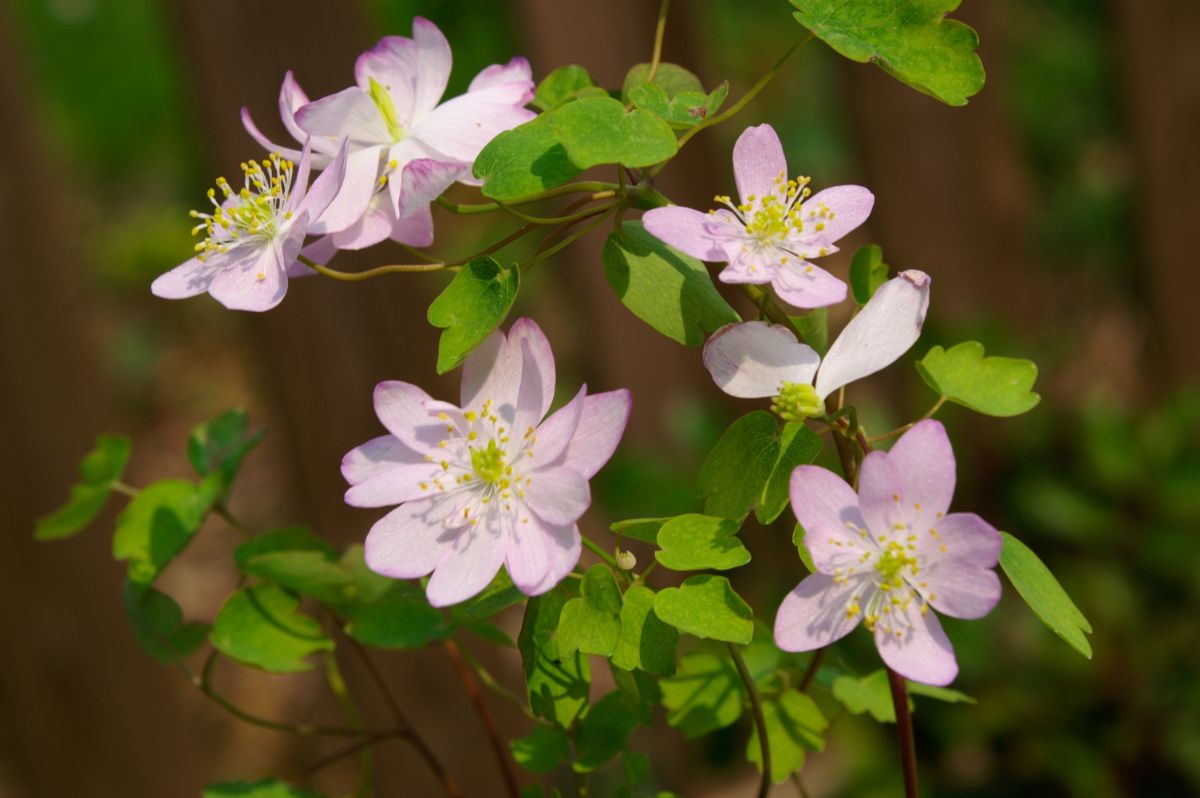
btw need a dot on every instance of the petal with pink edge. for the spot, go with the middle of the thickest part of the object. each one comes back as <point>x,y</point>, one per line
<point>702,235</point>
<point>416,229</point>
<point>828,510</point>
<point>423,180</point>
<point>555,433</point>
<point>925,460</point>
<point>887,327</point>
<point>351,113</point>
<point>563,546</point>
<point>376,456</point>
<point>414,70</point>
<point>192,277</point>
<point>401,408</point>
<point>805,285</point>
<point>373,226</point>
<point>558,495</point>
<point>256,283</point>
<point>528,556</point>
<point>517,70</point>
<point>960,580</point>
<point>817,612</point>
<point>849,205</point>
<point>758,162</point>
<point>461,127</point>
<point>601,425</point>
<point>915,646</point>
<point>469,565</point>
<point>410,541</point>
<point>754,359</point>
<point>346,201</point>
<point>881,498</point>
<point>394,485</point>
<point>267,144</point>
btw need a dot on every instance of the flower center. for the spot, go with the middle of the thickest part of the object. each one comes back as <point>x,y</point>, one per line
<point>774,216</point>
<point>252,212</point>
<point>797,401</point>
<point>488,462</point>
<point>387,109</point>
<point>894,559</point>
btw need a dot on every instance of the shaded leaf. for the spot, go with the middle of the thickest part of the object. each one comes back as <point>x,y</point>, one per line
<point>794,724</point>
<point>292,538</point>
<point>220,445</point>
<point>798,445</point>
<point>260,626</point>
<point>559,86</point>
<point>603,732</point>
<point>541,750</point>
<point>591,623</point>
<point>867,272</point>
<point>558,686</point>
<point>736,471</point>
<point>646,643</point>
<point>525,160</point>
<point>870,693</point>
<point>643,529</point>
<point>159,522</point>
<point>471,306</point>
<point>158,624</point>
<point>598,130</point>
<point>705,694</point>
<point>98,471</point>
<point>671,78</point>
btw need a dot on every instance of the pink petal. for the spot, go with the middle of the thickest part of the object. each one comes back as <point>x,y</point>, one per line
<point>828,510</point>
<point>758,162</point>
<point>601,425</point>
<point>410,541</point>
<point>346,200</point>
<point>850,206</point>
<point>461,127</point>
<point>755,266</point>
<point>351,113</point>
<point>291,99</point>
<point>320,251</point>
<point>816,614</point>
<point>754,359</point>
<point>528,555</point>
<point>529,409</point>
<point>924,458</point>
<point>416,229</point>
<point>267,144</point>
<point>961,582</point>
<point>881,497</point>
<point>192,277</point>
<point>423,180</point>
<point>469,565</point>
<point>805,285</point>
<point>559,495</point>
<point>373,226</point>
<point>376,456</point>
<point>555,433</point>
<point>883,330</point>
<point>401,408</point>
<point>563,546</point>
<point>394,485</point>
<point>491,373</point>
<point>702,235</point>
<point>516,70</point>
<point>414,70</point>
<point>539,356</point>
<point>254,283</point>
<point>914,645</point>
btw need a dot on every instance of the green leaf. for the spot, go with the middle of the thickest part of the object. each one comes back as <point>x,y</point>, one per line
<point>158,624</point>
<point>220,445</point>
<point>686,109</point>
<point>312,573</point>
<point>525,160</point>
<point>646,643</point>
<point>260,626</point>
<point>736,471</point>
<point>814,329</point>
<point>474,304</point>
<point>499,595</point>
<point>671,78</point>
<point>541,750</point>
<point>705,695</point>
<point>557,87</point>
<point>591,623</point>
<point>558,685</point>
<point>368,585</point>
<point>801,549</point>
<point>870,693</point>
<point>402,618</point>
<point>706,606</point>
<point>98,471</point>
<point>640,689</point>
<point>694,542</point>
<point>867,272</point>
<point>798,445</point>
<point>794,723</point>
<point>603,732</point>
<point>292,538</point>
<point>598,130</point>
<point>159,522</point>
<point>668,290</point>
<point>994,386</point>
<point>909,39</point>
<point>940,693</point>
<point>267,788</point>
<point>643,529</point>
<point>1044,595</point>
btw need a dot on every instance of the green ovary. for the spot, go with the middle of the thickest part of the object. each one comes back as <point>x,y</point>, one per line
<point>387,109</point>
<point>488,463</point>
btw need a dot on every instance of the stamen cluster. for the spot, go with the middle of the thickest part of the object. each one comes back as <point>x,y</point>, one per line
<point>252,212</point>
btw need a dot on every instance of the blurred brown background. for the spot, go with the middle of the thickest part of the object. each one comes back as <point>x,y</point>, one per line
<point>1054,213</point>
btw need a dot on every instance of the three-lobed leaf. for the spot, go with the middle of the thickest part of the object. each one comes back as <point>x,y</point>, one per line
<point>558,686</point>
<point>158,624</point>
<point>646,643</point>
<point>995,386</point>
<point>541,750</point>
<point>220,445</point>
<point>591,623</point>
<point>736,471</point>
<point>99,470</point>
<point>668,290</point>
<point>695,542</point>
<point>870,693</point>
<point>706,606</point>
<point>1044,595</point>
<point>474,303</point>
<point>604,731</point>
<point>671,78</point>
<point>911,40</point>
<point>704,695</point>
<point>525,160</point>
<point>599,130</point>
<point>798,445</point>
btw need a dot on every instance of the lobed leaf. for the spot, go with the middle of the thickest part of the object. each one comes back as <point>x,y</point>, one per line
<point>736,472</point>
<point>995,386</point>
<point>671,78</point>
<point>646,643</point>
<point>706,606</point>
<point>794,724</point>
<point>559,86</point>
<point>541,750</point>
<point>694,542</point>
<point>599,130</point>
<point>220,445</point>
<point>474,303</point>
<point>592,623</point>
<point>603,732</point>
<point>705,695</point>
<point>798,445</point>
<point>525,160</point>
<point>159,522</point>
<point>158,624</point>
<point>99,470</point>
<point>558,686</point>
<point>260,626</point>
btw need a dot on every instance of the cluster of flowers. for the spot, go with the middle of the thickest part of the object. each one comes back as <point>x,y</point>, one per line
<point>496,482</point>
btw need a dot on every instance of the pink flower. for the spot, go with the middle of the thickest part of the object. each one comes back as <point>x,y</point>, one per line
<point>888,555</point>
<point>253,235</point>
<point>405,147</point>
<point>770,235</point>
<point>491,483</point>
<point>754,359</point>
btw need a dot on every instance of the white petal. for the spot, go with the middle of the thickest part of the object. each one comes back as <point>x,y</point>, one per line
<point>351,112</point>
<point>554,434</point>
<point>558,495</point>
<point>915,646</point>
<point>348,202</point>
<point>410,541</point>
<point>816,613</point>
<point>470,563</point>
<point>754,359</point>
<point>601,425</point>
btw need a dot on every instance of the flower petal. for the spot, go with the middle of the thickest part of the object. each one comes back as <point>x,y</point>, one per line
<point>376,456</point>
<point>192,277</point>
<point>702,235</point>
<point>423,180</point>
<point>414,71</point>
<point>517,70</point>
<point>882,331</point>
<point>346,201</point>
<point>805,285</point>
<point>558,495</point>
<point>828,510</point>
<point>254,283</point>
<point>401,408</point>
<point>461,127</point>
<point>528,556</point>
<point>849,206</point>
<point>754,265</point>
<point>601,425</point>
<point>494,370</point>
<point>394,485</point>
<point>410,541</point>
<point>471,562</point>
<point>914,645</point>
<point>351,113</point>
<point>754,359</point>
<point>959,562</point>
<point>816,613</point>
<point>416,229</point>
<point>882,500</point>
<point>373,226</point>
<point>925,459</point>
<point>555,433</point>
<point>291,99</point>
<point>758,162</point>
<point>290,153</point>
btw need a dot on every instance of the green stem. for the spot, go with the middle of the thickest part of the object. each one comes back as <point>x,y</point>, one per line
<point>908,749</point>
<point>229,518</point>
<point>337,686</point>
<point>581,187</point>
<point>566,242</point>
<point>560,220</point>
<point>492,683</point>
<point>930,413</point>
<point>599,551</point>
<point>499,749</point>
<point>659,30</point>
<point>760,721</point>
<point>378,271</point>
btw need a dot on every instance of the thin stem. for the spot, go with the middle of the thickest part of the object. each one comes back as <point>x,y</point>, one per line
<point>560,220</point>
<point>810,672</point>
<point>566,242</point>
<point>641,578</point>
<point>930,413</point>
<point>485,717</point>
<point>659,30</point>
<point>581,187</point>
<point>799,785</point>
<point>908,749</point>
<point>127,490</point>
<point>599,551</point>
<point>378,271</point>
<point>492,683</point>
<point>334,757</point>
<point>337,686</point>
<point>760,722</point>
<point>229,518</point>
